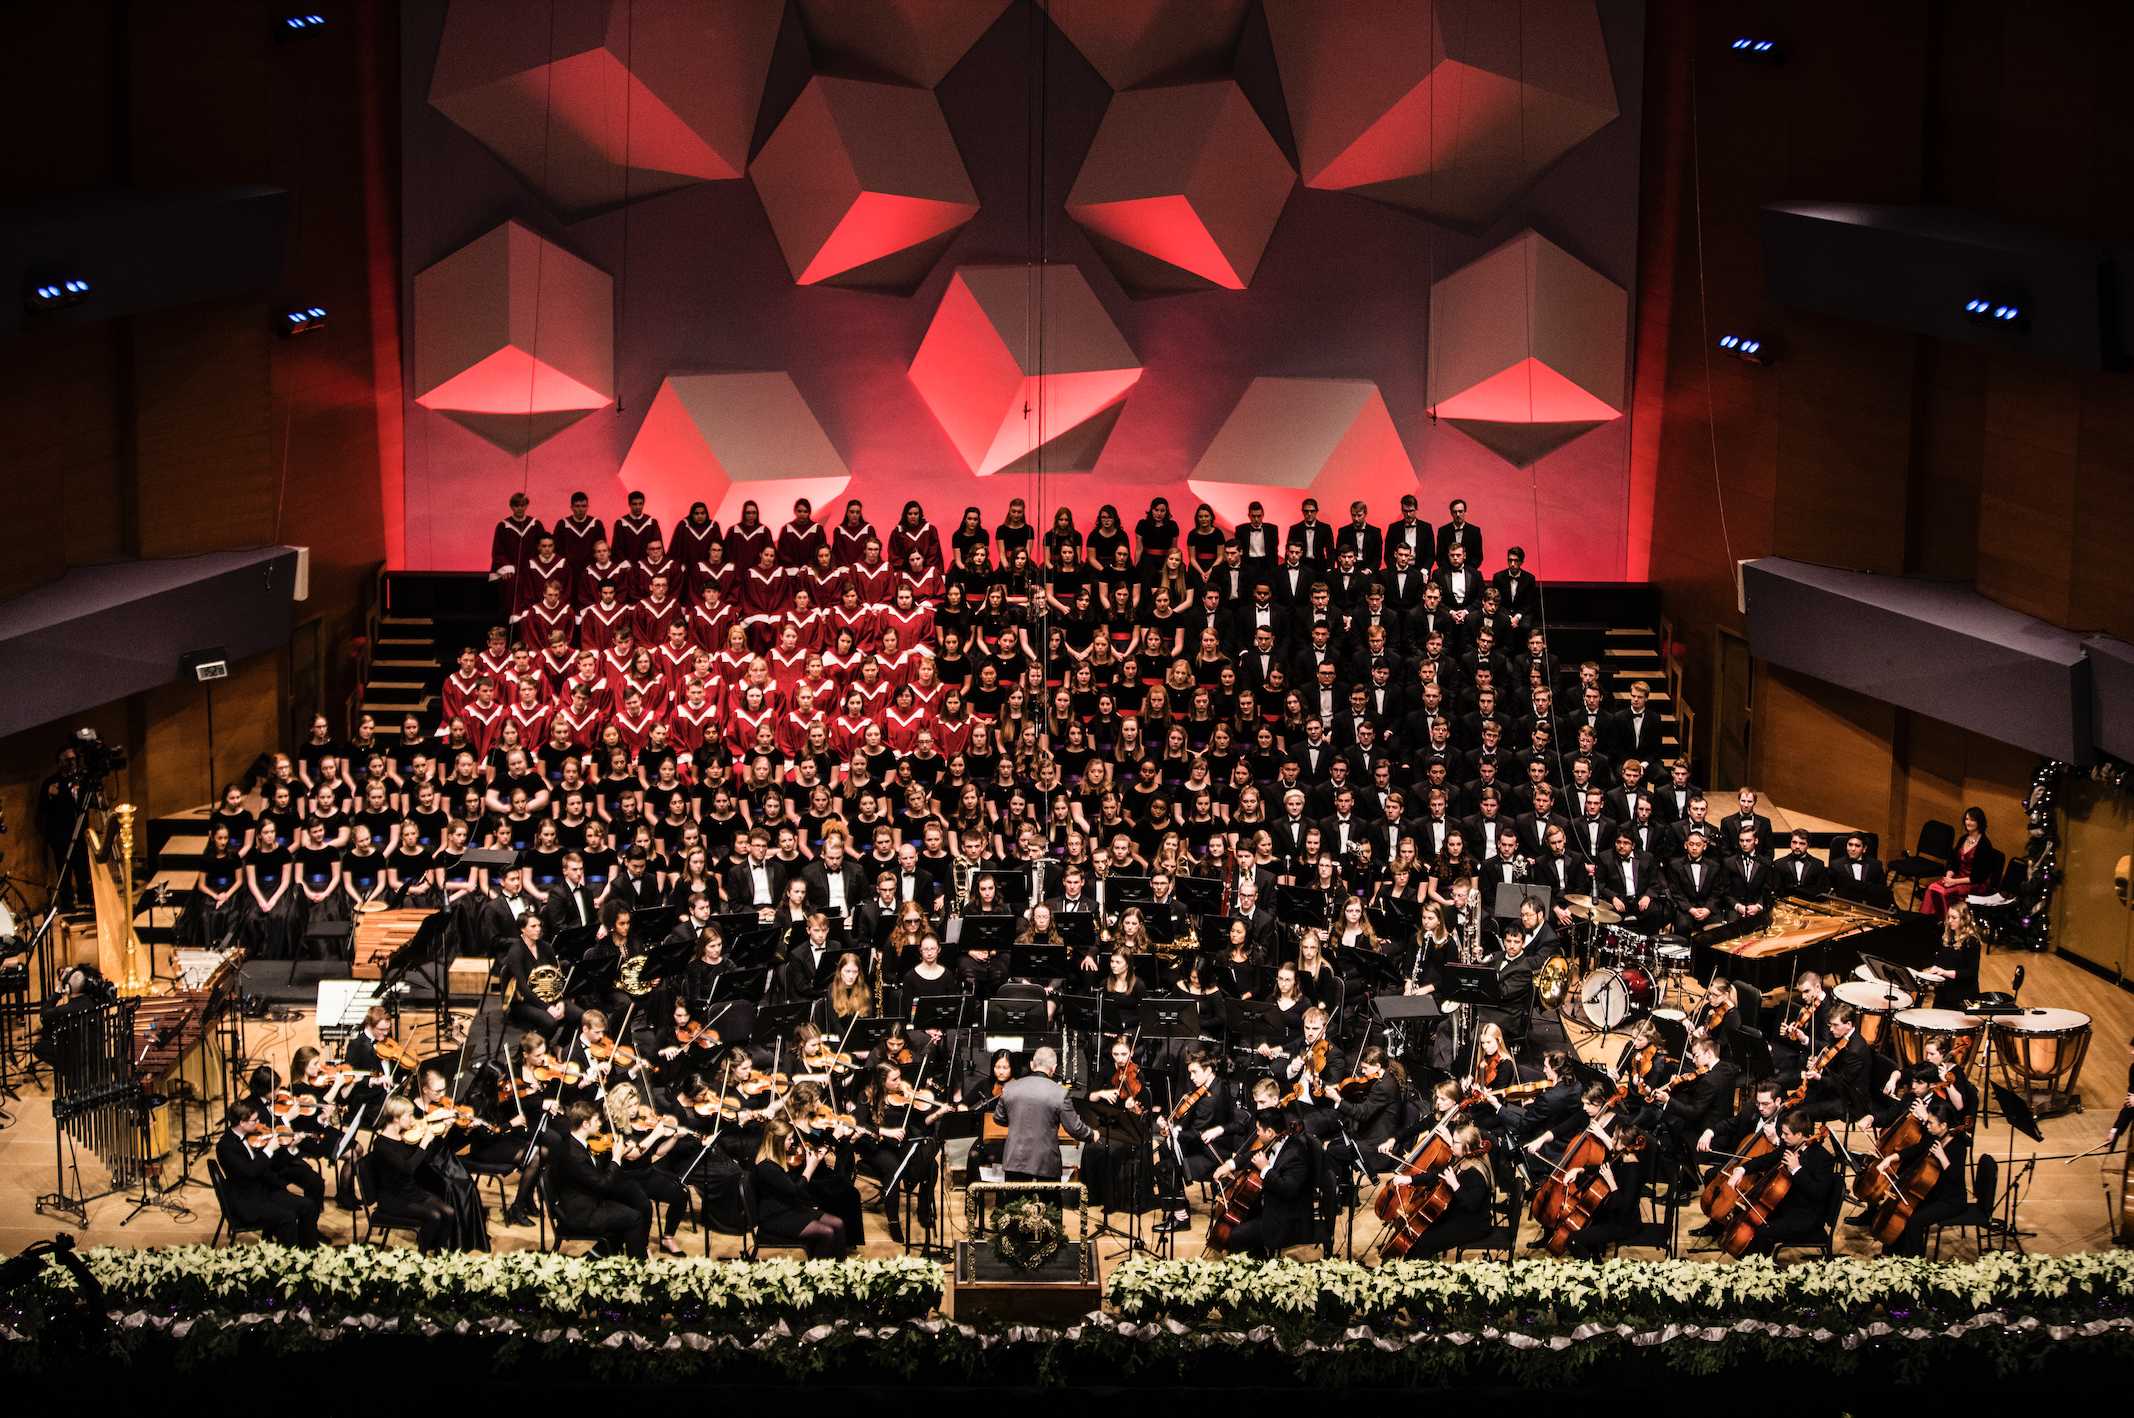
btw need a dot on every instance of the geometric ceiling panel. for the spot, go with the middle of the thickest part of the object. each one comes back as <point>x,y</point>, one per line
<point>1289,439</point>
<point>593,101</point>
<point>1008,400</point>
<point>913,41</point>
<point>1526,348</point>
<point>1187,177</point>
<point>724,439</point>
<point>1447,107</point>
<point>857,173</point>
<point>1136,42</point>
<point>509,327</point>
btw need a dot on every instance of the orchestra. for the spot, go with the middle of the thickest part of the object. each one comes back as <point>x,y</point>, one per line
<point>836,911</point>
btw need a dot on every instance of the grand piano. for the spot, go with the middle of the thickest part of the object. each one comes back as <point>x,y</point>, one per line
<point>1828,934</point>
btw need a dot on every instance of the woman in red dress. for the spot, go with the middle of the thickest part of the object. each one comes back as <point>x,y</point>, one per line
<point>1976,868</point>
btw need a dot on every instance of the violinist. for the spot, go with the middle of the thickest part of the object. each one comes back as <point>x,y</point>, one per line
<point>1548,1116</point>
<point>1719,1013</point>
<point>538,1089</point>
<point>652,1152</point>
<point>786,1165</point>
<point>1839,1078</point>
<point>309,1077</point>
<point>372,1051</point>
<point>1803,1027</point>
<point>399,1155</point>
<point>1283,1159</point>
<point>1189,1135</point>
<point>592,1194</point>
<point>1125,1088</point>
<point>1104,1163</point>
<point>682,1044</point>
<point>1314,1072</point>
<point>1683,1106</point>
<point>255,1185</point>
<point>979,1093</point>
<point>280,1111</point>
<point>1369,1109</point>
<point>1466,1219</point>
<point>456,1129</point>
<point>1798,1218</point>
<point>895,1114</point>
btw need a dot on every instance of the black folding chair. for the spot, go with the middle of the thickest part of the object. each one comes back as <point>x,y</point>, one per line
<point>1930,856</point>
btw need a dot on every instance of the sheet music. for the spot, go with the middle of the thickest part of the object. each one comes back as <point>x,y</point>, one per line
<point>342,1005</point>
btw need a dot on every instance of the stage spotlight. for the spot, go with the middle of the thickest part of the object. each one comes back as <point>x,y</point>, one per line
<point>58,294</point>
<point>301,322</point>
<point>1750,349</point>
<point>303,24</point>
<point>1761,51</point>
<point>2001,312</point>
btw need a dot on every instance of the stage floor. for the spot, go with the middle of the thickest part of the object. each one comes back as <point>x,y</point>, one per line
<point>2069,1206</point>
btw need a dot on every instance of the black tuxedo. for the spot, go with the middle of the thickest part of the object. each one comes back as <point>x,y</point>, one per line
<point>567,909</point>
<point>1317,539</point>
<point>1285,1217</point>
<point>1467,535</point>
<point>1705,886</point>
<point>1365,541</point>
<point>497,925</point>
<point>1800,875</point>
<point>1671,805</point>
<point>1517,595</point>
<point>1864,881</point>
<point>817,876</point>
<point>1593,837</point>
<point>597,1197</point>
<point>1630,737</point>
<point>1748,882</point>
<point>1418,536</point>
<point>1644,878</point>
<point>257,1192</point>
<point>741,893</point>
<point>1730,831</point>
<point>1468,597</point>
<point>1679,833</point>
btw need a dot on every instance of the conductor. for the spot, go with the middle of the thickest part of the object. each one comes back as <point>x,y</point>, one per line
<point>1033,1109</point>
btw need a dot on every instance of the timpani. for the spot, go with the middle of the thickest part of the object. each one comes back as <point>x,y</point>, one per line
<point>2040,1053</point>
<point>1911,1028</point>
<point>1876,1002</point>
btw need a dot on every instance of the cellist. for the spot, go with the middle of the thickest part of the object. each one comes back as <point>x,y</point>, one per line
<point>1944,1147</point>
<point>1283,1158</point>
<point>1615,1217</point>
<point>1465,1219</point>
<point>1798,1218</point>
<point>1730,1137</point>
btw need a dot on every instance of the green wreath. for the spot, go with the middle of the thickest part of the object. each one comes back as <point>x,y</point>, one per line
<point>1029,1234</point>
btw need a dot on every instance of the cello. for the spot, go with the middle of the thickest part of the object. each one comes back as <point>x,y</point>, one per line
<point>1242,1199</point>
<point>1760,1196</point>
<point>1422,1204</point>
<point>1720,1195</point>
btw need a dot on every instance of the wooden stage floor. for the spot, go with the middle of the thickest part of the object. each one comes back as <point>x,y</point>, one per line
<point>2068,1207</point>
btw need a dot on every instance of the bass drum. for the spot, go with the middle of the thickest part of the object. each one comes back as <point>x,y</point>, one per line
<point>1609,999</point>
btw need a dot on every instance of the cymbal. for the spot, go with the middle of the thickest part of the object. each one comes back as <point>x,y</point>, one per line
<point>1594,912</point>
<point>1575,899</point>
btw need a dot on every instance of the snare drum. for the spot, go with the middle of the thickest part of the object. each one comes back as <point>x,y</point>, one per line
<point>2040,1053</point>
<point>1876,1002</point>
<point>1607,999</point>
<point>1675,954</point>
<point>1911,1028</point>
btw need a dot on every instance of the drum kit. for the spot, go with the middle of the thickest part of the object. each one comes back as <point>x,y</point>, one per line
<point>1632,971</point>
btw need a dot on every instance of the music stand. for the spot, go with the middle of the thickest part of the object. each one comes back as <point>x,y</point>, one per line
<point>1301,906</point>
<point>1252,1023</point>
<point>1169,1019</point>
<point>1077,928</point>
<point>1201,895</point>
<point>1477,985</point>
<point>423,951</point>
<point>1038,962</point>
<point>2021,1119</point>
<point>1011,1023</point>
<point>1119,892</point>
<point>776,1022</point>
<point>1396,1008</point>
<point>980,932</point>
<point>1086,1014</point>
<point>942,1012</point>
<point>1894,978</point>
<point>1126,1144</point>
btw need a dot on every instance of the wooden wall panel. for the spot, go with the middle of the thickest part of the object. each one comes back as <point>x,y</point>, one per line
<point>1843,439</point>
<point>206,464</point>
<point>183,763</point>
<point>1822,749</point>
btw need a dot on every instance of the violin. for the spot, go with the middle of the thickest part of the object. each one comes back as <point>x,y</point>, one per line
<point>607,1051</point>
<point>693,1034</point>
<point>758,1084</point>
<point>600,1144</point>
<point>896,1049</point>
<point>1820,1062</point>
<point>906,1097</point>
<point>1126,1082</point>
<point>821,1058</point>
<point>1354,1086</point>
<point>1185,1105</point>
<point>723,1108</point>
<point>285,1105</point>
<point>392,1051</point>
<point>570,1073</point>
<point>444,1115</point>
